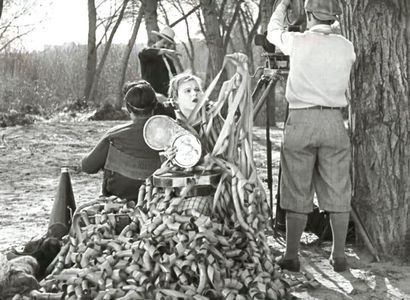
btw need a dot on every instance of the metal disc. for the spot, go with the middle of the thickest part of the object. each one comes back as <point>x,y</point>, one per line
<point>158,132</point>
<point>189,150</point>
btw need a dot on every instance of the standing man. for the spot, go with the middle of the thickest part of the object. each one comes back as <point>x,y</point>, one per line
<point>316,154</point>
<point>160,62</point>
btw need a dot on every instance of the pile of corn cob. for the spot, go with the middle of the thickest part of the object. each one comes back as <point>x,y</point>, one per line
<point>162,254</point>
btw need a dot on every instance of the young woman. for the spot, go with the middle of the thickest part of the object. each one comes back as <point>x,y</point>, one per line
<point>185,91</point>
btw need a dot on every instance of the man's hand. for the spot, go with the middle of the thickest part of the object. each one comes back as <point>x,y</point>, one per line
<point>169,52</point>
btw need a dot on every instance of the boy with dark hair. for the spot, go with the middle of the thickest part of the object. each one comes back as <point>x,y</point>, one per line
<point>122,152</point>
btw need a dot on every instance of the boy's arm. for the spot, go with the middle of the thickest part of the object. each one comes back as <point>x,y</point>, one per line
<point>95,159</point>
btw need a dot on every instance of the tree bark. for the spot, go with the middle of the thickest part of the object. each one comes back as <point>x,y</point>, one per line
<point>151,19</point>
<point>265,7</point>
<point>126,57</point>
<point>380,121</point>
<point>91,64</point>
<point>213,39</point>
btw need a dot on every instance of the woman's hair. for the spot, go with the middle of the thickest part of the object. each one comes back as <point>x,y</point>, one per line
<point>176,82</point>
<point>139,97</point>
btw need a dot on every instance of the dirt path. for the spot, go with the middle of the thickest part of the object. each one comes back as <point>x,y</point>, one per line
<point>30,162</point>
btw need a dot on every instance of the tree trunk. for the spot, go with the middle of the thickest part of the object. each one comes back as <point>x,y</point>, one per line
<point>380,119</point>
<point>94,86</point>
<point>213,39</point>
<point>1,8</point>
<point>248,37</point>
<point>230,26</point>
<point>191,50</point>
<point>151,22</point>
<point>265,7</point>
<point>126,57</point>
<point>91,65</point>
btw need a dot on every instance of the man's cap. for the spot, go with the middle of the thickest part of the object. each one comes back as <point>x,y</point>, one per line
<point>324,10</point>
<point>166,33</point>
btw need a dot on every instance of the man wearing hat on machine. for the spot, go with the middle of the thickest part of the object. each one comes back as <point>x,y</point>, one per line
<point>160,62</point>
<point>315,155</point>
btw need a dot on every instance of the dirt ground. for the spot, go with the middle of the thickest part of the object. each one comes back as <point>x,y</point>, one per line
<point>30,162</point>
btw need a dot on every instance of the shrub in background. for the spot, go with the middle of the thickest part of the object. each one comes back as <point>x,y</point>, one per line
<point>50,81</point>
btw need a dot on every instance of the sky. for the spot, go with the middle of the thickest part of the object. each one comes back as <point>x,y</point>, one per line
<point>67,21</point>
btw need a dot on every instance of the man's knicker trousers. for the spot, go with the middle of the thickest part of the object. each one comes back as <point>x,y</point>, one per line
<point>315,156</point>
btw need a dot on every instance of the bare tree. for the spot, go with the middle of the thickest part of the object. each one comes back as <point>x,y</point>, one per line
<point>104,55</point>
<point>189,46</point>
<point>15,22</point>
<point>151,19</point>
<point>247,30</point>
<point>266,10</point>
<point>1,8</point>
<point>91,65</point>
<point>380,119</point>
<point>229,26</point>
<point>164,12</point>
<point>213,37</point>
<point>127,53</point>
<point>184,15</point>
<point>110,23</point>
<point>108,19</point>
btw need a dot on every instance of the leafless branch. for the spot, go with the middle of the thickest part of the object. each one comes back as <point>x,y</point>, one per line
<point>191,50</point>
<point>231,24</point>
<point>19,36</point>
<point>164,12</point>
<point>185,16</point>
<point>107,23</point>
<point>106,50</point>
<point>127,53</point>
<point>201,24</point>
<point>222,10</point>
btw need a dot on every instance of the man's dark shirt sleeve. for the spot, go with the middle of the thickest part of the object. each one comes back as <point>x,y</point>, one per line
<point>154,70</point>
<point>149,55</point>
